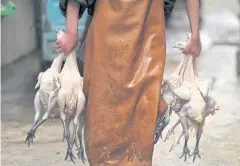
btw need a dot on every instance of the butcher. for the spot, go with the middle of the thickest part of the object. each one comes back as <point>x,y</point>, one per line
<point>123,70</point>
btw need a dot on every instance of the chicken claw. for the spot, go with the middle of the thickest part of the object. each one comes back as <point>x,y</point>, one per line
<point>81,155</point>
<point>73,141</point>
<point>195,153</point>
<point>65,136</point>
<point>157,135</point>
<point>161,125</point>
<point>196,149</point>
<point>186,152</point>
<point>169,133</point>
<point>29,138</point>
<point>70,154</point>
<point>176,142</point>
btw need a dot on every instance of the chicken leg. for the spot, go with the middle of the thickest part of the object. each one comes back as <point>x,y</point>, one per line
<point>176,142</point>
<point>198,137</point>
<point>39,108</point>
<point>51,105</point>
<point>69,145</point>
<point>80,149</point>
<point>66,122</point>
<point>66,135</point>
<point>186,151</point>
<point>161,124</point>
<point>62,107</point>
<point>171,131</point>
<point>79,111</point>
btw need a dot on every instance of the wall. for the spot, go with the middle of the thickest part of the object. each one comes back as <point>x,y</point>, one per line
<point>18,32</point>
<point>219,5</point>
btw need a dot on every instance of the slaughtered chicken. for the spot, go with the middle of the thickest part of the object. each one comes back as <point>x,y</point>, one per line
<point>189,99</point>
<point>47,91</point>
<point>64,91</point>
<point>71,102</point>
<point>188,124</point>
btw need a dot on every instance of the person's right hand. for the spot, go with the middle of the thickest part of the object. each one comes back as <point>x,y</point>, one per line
<point>67,42</point>
<point>193,47</point>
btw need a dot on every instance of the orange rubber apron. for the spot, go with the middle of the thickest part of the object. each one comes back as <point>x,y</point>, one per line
<point>123,70</point>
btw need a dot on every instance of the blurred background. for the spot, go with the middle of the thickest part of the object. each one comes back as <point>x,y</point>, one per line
<point>27,47</point>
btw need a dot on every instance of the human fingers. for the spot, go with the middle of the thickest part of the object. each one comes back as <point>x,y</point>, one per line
<point>60,50</point>
<point>195,52</point>
<point>58,42</point>
<point>186,50</point>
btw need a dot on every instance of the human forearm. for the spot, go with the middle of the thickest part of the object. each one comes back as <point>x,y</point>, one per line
<point>194,45</point>
<point>193,7</point>
<point>70,9</point>
<point>72,17</point>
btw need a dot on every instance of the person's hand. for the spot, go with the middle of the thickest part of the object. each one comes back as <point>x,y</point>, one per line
<point>67,42</point>
<point>193,47</point>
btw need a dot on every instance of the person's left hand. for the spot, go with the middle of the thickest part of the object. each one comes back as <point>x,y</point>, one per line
<point>193,47</point>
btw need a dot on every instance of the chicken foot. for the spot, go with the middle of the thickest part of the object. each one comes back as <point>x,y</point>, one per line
<point>186,151</point>
<point>66,122</point>
<point>66,135</point>
<point>51,105</point>
<point>198,137</point>
<point>69,145</point>
<point>79,112</point>
<point>70,151</point>
<point>176,142</point>
<point>161,124</point>
<point>171,131</point>
<point>80,149</point>
<point>38,107</point>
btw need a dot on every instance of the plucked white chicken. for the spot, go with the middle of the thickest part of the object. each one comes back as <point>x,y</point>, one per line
<point>71,102</point>
<point>190,101</point>
<point>47,91</point>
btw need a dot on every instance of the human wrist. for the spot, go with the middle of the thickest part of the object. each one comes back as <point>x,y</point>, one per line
<point>73,34</point>
<point>195,36</point>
